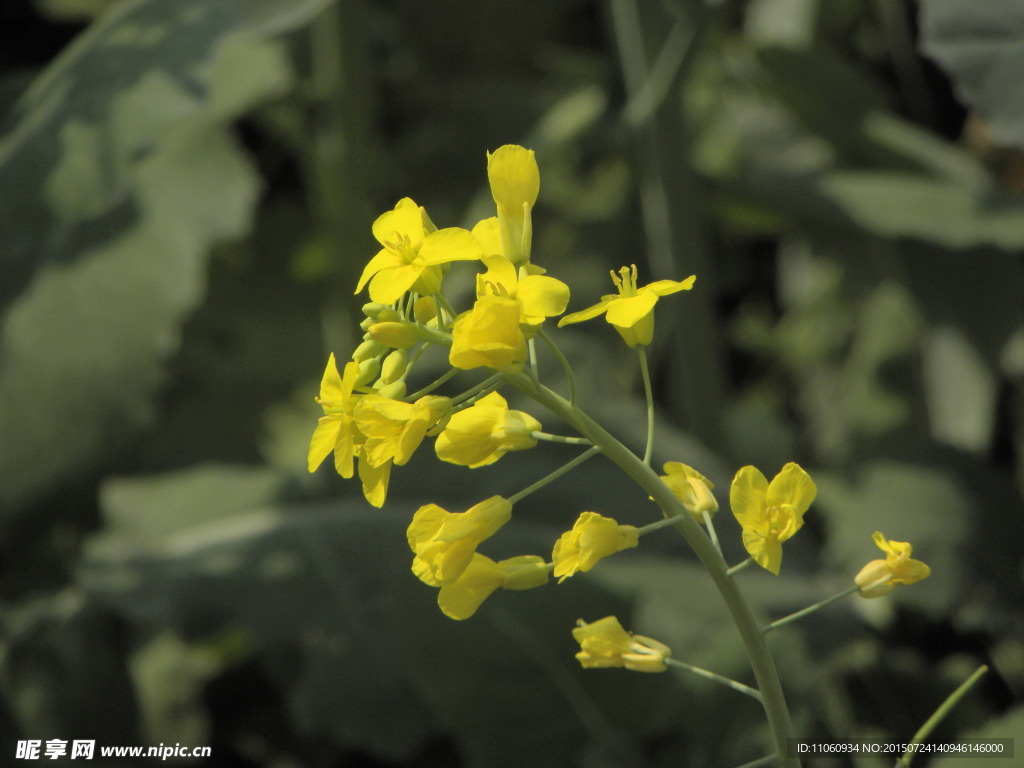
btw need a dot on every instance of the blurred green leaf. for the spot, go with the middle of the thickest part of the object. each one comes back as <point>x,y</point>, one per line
<point>118,176</point>
<point>981,45</point>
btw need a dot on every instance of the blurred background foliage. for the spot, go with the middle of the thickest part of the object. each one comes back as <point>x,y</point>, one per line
<point>186,192</point>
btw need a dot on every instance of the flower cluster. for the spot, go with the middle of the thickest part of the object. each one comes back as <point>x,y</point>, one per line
<point>370,422</point>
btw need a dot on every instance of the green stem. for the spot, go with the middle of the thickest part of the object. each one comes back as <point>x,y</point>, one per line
<point>809,610</point>
<point>660,524</point>
<point>433,385</point>
<point>568,467</point>
<point>711,530</point>
<point>563,362</point>
<point>740,566</point>
<point>477,389</point>
<point>728,682</point>
<point>560,439</point>
<point>649,395</point>
<point>940,713</point>
<point>763,665</point>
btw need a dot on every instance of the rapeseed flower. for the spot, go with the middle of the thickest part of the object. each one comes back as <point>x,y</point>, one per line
<point>393,428</point>
<point>489,335</point>
<point>691,488</point>
<point>604,643</point>
<point>444,542</point>
<point>539,296</point>
<point>484,432</point>
<point>413,253</point>
<point>336,429</point>
<point>591,538</point>
<point>770,513</point>
<point>878,577</point>
<point>631,310</point>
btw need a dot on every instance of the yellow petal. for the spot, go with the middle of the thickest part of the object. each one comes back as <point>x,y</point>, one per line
<point>747,497</point>
<point>627,311</point>
<point>514,178</point>
<point>405,221</point>
<point>384,259</point>
<point>766,551</point>
<point>324,439</point>
<point>589,312</point>
<point>541,296</point>
<point>460,599</point>
<point>375,481</point>
<point>500,272</point>
<point>488,234</point>
<point>792,486</point>
<point>451,244</point>
<point>666,287</point>
<point>389,285</point>
<point>331,388</point>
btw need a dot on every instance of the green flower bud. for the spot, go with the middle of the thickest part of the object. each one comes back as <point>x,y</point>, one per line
<point>368,371</point>
<point>368,349</point>
<point>394,391</point>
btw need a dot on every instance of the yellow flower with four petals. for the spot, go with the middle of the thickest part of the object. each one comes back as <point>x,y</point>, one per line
<point>604,643</point>
<point>879,577</point>
<point>484,432</point>
<point>592,537</point>
<point>770,513</point>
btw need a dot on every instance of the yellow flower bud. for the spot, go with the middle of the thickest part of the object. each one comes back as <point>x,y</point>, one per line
<point>394,334</point>
<point>424,309</point>
<point>394,365</point>
<point>368,349</point>
<point>368,371</point>
<point>373,308</point>
<point>393,391</point>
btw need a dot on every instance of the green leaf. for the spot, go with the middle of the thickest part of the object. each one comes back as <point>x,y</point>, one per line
<point>981,46</point>
<point>118,176</point>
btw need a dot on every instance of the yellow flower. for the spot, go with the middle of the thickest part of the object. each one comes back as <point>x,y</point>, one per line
<point>484,432</point>
<point>515,182</point>
<point>878,577</point>
<point>770,514</point>
<point>335,431</point>
<point>413,253</point>
<point>489,335</point>
<point>539,296</point>
<point>444,542</point>
<point>394,429</point>
<point>631,311</point>
<point>591,538</point>
<point>604,643</point>
<point>461,598</point>
<point>691,488</point>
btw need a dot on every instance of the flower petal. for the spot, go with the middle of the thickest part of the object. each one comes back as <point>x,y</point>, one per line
<point>747,498</point>
<point>666,287</point>
<point>389,285</point>
<point>450,244</point>
<point>514,178</point>
<point>627,311</point>
<point>406,220</point>
<point>325,437</point>
<point>792,486</point>
<point>541,296</point>
<point>589,312</point>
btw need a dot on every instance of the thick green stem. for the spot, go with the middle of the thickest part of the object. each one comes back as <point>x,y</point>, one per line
<point>761,661</point>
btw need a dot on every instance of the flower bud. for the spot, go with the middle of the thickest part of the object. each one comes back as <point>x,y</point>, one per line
<point>425,309</point>
<point>394,366</point>
<point>393,391</point>
<point>368,349</point>
<point>392,334</point>
<point>368,371</point>
<point>373,309</point>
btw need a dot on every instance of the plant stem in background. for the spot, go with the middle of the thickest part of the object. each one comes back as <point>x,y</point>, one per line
<point>940,713</point>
